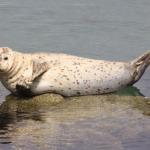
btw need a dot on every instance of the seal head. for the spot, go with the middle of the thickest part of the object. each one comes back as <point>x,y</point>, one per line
<point>6,60</point>
<point>17,71</point>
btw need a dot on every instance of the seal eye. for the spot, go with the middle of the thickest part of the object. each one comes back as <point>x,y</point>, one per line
<point>5,58</point>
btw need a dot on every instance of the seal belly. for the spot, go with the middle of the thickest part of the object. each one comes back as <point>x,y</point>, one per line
<point>83,79</point>
<point>40,86</point>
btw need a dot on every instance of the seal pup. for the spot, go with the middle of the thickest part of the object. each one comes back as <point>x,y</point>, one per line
<point>38,73</point>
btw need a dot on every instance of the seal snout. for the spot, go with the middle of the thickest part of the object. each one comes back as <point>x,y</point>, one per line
<point>140,64</point>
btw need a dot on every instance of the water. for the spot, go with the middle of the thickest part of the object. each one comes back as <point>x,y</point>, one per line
<point>107,122</point>
<point>112,30</point>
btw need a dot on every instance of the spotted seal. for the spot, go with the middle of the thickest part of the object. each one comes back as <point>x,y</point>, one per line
<point>37,73</point>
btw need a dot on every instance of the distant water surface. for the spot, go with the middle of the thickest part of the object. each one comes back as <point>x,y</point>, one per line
<point>112,29</point>
<point>101,29</point>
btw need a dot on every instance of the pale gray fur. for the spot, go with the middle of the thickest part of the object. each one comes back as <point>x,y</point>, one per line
<point>69,75</point>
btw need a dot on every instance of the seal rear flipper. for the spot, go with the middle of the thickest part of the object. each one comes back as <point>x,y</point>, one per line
<point>38,69</point>
<point>140,64</point>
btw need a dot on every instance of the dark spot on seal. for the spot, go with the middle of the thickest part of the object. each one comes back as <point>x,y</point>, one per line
<point>60,83</point>
<point>120,67</point>
<point>120,83</point>
<point>78,93</point>
<point>10,77</point>
<point>51,86</point>
<point>76,63</point>
<point>98,90</point>
<point>77,81</point>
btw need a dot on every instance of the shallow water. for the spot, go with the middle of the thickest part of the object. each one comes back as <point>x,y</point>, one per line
<point>112,30</point>
<point>107,122</point>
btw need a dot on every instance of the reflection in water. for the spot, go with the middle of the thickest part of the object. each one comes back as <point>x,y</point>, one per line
<point>114,121</point>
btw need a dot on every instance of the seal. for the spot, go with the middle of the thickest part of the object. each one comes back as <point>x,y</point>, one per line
<point>31,74</point>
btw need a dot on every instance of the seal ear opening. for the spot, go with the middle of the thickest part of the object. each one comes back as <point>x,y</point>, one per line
<point>140,64</point>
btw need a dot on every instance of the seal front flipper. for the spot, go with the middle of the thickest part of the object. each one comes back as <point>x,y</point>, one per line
<point>23,87</point>
<point>38,69</point>
<point>23,91</point>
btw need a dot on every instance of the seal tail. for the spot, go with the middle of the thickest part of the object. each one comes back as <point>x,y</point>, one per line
<point>140,64</point>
